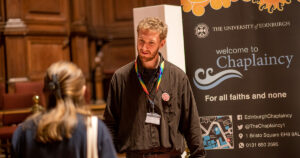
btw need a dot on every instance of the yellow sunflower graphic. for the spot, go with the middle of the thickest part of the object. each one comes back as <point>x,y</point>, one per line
<point>198,6</point>
<point>271,5</point>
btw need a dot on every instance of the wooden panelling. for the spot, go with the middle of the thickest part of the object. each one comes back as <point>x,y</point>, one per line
<point>78,10</point>
<point>118,18</point>
<point>42,52</point>
<point>2,61</point>
<point>92,45</point>
<point>79,16</point>
<point>37,33</point>
<point>44,16</point>
<point>37,29</point>
<point>2,15</point>
<point>13,8</point>
<point>45,10</point>
<point>122,10</point>
<point>116,54</point>
<point>113,19</point>
<point>80,54</point>
<point>96,58</point>
<point>95,18</point>
<point>2,57</point>
<point>15,57</point>
<point>44,6</point>
<point>159,2</point>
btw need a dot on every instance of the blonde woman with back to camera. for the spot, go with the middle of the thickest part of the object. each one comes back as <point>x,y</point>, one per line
<point>61,130</point>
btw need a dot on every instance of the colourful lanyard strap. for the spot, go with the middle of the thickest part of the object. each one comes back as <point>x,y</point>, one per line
<point>161,69</point>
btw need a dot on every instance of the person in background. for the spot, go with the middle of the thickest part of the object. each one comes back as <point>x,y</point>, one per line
<point>150,105</point>
<point>61,130</point>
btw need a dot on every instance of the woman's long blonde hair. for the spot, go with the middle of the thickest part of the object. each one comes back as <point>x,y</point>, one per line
<point>64,85</point>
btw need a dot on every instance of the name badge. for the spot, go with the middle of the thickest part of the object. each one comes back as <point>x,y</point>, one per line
<point>153,118</point>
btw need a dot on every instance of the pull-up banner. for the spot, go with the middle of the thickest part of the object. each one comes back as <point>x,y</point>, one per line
<point>242,59</point>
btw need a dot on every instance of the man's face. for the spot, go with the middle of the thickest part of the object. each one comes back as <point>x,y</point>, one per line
<point>148,44</point>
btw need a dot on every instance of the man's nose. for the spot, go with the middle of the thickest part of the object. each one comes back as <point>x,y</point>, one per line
<point>144,47</point>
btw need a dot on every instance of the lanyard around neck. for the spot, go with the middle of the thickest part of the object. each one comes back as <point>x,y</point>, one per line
<point>161,69</point>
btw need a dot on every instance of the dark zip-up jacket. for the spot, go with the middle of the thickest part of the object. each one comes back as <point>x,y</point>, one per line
<point>127,106</point>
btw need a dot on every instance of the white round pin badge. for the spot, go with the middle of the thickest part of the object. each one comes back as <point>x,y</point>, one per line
<point>165,96</point>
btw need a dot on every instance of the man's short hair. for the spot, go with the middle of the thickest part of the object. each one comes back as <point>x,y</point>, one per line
<point>154,24</point>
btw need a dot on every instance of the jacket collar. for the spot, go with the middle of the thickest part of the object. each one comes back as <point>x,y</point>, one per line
<point>141,69</point>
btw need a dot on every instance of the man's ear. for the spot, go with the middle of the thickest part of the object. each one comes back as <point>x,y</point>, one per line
<point>162,43</point>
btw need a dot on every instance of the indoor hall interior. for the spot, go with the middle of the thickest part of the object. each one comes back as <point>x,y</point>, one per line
<point>96,35</point>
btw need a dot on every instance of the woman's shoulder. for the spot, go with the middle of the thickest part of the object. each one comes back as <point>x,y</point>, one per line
<point>27,126</point>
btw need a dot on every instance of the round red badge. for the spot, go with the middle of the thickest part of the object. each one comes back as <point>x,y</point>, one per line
<point>165,96</point>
